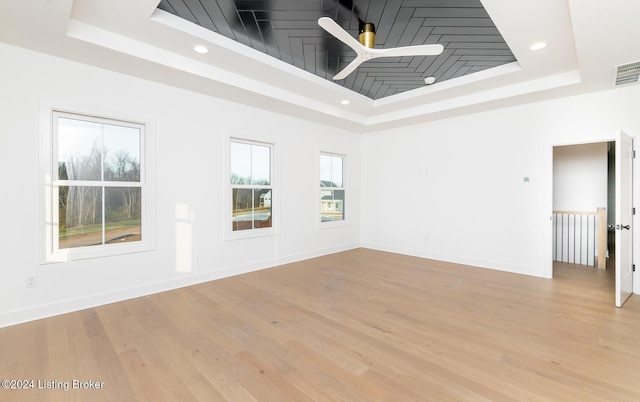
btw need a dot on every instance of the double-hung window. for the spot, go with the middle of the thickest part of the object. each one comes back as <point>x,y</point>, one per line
<point>251,171</point>
<point>332,191</point>
<point>98,187</point>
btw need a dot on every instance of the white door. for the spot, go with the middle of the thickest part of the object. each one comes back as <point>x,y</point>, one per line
<point>624,218</point>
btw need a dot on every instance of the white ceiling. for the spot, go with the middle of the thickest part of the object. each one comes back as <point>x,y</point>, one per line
<point>587,38</point>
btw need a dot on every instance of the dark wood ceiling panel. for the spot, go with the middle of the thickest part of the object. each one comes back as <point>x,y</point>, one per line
<point>472,38</point>
<point>433,12</point>
<point>422,36</point>
<point>278,5</point>
<point>466,31</point>
<point>451,72</point>
<point>200,14</point>
<point>297,51</point>
<point>410,32</point>
<point>483,52</point>
<point>288,30</point>
<point>478,45</point>
<point>283,42</point>
<point>179,8</point>
<point>393,19</point>
<point>441,3</point>
<point>456,22</point>
<point>310,58</point>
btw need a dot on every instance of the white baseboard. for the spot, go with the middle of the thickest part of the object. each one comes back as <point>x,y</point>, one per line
<point>495,265</point>
<point>67,306</point>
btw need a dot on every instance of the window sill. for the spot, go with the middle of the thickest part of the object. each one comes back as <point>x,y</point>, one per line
<point>250,233</point>
<point>101,251</point>
<point>332,224</point>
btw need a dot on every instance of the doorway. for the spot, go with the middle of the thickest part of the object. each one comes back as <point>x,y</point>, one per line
<point>588,176</point>
<point>581,203</point>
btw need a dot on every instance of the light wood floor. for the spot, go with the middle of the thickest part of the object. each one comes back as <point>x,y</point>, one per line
<point>358,325</point>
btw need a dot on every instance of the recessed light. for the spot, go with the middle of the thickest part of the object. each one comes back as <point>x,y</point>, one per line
<point>429,80</point>
<point>200,49</point>
<point>538,46</point>
<point>344,102</point>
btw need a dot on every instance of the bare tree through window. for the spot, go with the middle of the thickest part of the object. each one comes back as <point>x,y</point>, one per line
<point>99,181</point>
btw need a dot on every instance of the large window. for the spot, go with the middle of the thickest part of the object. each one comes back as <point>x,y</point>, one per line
<point>332,192</point>
<point>251,185</point>
<point>98,182</point>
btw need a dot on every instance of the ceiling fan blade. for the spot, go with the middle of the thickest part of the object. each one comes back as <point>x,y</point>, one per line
<point>365,53</point>
<point>351,67</point>
<point>420,50</point>
<point>339,33</point>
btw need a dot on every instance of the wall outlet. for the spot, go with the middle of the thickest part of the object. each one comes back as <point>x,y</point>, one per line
<point>31,281</point>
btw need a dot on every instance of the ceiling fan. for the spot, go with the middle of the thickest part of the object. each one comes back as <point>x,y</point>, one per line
<point>364,46</point>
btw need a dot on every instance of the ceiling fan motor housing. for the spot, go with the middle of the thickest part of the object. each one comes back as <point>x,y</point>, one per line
<point>367,36</point>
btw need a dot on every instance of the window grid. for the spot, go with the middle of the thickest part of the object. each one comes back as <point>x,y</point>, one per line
<point>332,190</point>
<point>251,167</point>
<point>118,208</point>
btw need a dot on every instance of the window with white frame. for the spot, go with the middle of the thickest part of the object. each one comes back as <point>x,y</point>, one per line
<point>251,170</point>
<point>332,191</point>
<point>98,188</point>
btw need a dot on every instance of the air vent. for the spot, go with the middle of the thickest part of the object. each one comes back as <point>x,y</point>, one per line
<point>626,73</point>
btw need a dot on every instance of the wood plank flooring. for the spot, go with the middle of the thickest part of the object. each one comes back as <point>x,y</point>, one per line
<point>361,325</point>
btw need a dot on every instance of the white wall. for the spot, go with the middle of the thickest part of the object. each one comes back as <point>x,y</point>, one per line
<point>189,133</point>
<point>451,189</point>
<point>454,189</point>
<point>580,175</point>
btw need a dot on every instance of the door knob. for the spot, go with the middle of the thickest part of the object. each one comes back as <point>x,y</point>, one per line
<point>620,227</point>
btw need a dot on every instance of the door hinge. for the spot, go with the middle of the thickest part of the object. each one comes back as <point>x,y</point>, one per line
<point>633,267</point>
<point>634,154</point>
<point>633,211</point>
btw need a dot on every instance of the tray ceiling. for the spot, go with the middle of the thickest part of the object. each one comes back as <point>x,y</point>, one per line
<point>288,30</point>
<point>140,40</point>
